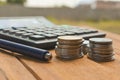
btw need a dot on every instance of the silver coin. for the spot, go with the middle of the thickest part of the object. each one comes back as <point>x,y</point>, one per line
<point>102,51</point>
<point>101,58</point>
<point>85,48</point>
<point>70,40</point>
<point>68,53</point>
<point>86,42</point>
<point>105,55</point>
<point>101,40</point>
<point>68,46</point>
<point>101,46</point>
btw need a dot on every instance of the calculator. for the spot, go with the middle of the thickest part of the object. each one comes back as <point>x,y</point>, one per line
<point>39,32</point>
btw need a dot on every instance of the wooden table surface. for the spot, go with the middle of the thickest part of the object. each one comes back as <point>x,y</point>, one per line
<point>18,67</point>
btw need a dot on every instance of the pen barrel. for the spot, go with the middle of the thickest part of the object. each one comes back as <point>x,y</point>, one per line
<point>24,49</point>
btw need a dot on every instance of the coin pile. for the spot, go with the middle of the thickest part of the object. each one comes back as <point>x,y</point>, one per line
<point>101,49</point>
<point>69,47</point>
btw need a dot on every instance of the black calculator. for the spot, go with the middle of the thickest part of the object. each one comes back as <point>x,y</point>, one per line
<point>40,32</point>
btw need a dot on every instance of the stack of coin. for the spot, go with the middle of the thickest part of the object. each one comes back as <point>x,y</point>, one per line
<point>101,49</point>
<point>69,47</point>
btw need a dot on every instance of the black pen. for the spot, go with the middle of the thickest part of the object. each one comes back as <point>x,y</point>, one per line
<point>41,54</point>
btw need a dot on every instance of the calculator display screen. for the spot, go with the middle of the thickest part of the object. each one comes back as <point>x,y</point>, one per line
<point>24,22</point>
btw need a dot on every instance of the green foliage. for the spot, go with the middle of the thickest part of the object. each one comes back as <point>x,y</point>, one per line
<point>16,1</point>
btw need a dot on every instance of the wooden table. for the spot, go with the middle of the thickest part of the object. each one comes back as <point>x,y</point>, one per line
<point>17,67</point>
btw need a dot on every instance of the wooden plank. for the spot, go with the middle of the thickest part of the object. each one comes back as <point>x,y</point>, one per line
<point>2,75</point>
<point>12,69</point>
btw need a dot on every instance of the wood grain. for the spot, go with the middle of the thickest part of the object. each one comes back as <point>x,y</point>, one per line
<point>3,75</point>
<point>12,69</point>
<point>83,69</point>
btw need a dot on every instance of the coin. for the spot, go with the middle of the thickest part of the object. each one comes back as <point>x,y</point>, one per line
<point>105,55</point>
<point>102,53</point>
<point>101,49</point>
<point>101,46</point>
<point>68,46</point>
<point>85,47</point>
<point>101,58</point>
<point>100,40</point>
<point>68,53</point>
<point>70,40</point>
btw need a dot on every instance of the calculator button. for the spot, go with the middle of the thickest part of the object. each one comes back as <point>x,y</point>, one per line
<point>38,33</point>
<point>50,35</point>
<point>26,35</point>
<point>5,30</point>
<point>36,37</point>
<point>19,33</point>
<point>13,31</point>
<point>59,34</point>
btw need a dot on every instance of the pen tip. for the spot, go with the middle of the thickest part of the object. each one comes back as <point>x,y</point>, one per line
<point>48,56</point>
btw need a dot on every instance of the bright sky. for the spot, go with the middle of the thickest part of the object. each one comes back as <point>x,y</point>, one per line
<point>53,3</point>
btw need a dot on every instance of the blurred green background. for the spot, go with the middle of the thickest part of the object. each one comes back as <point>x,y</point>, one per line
<point>107,25</point>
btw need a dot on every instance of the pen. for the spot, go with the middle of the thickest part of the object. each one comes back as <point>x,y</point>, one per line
<point>41,54</point>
